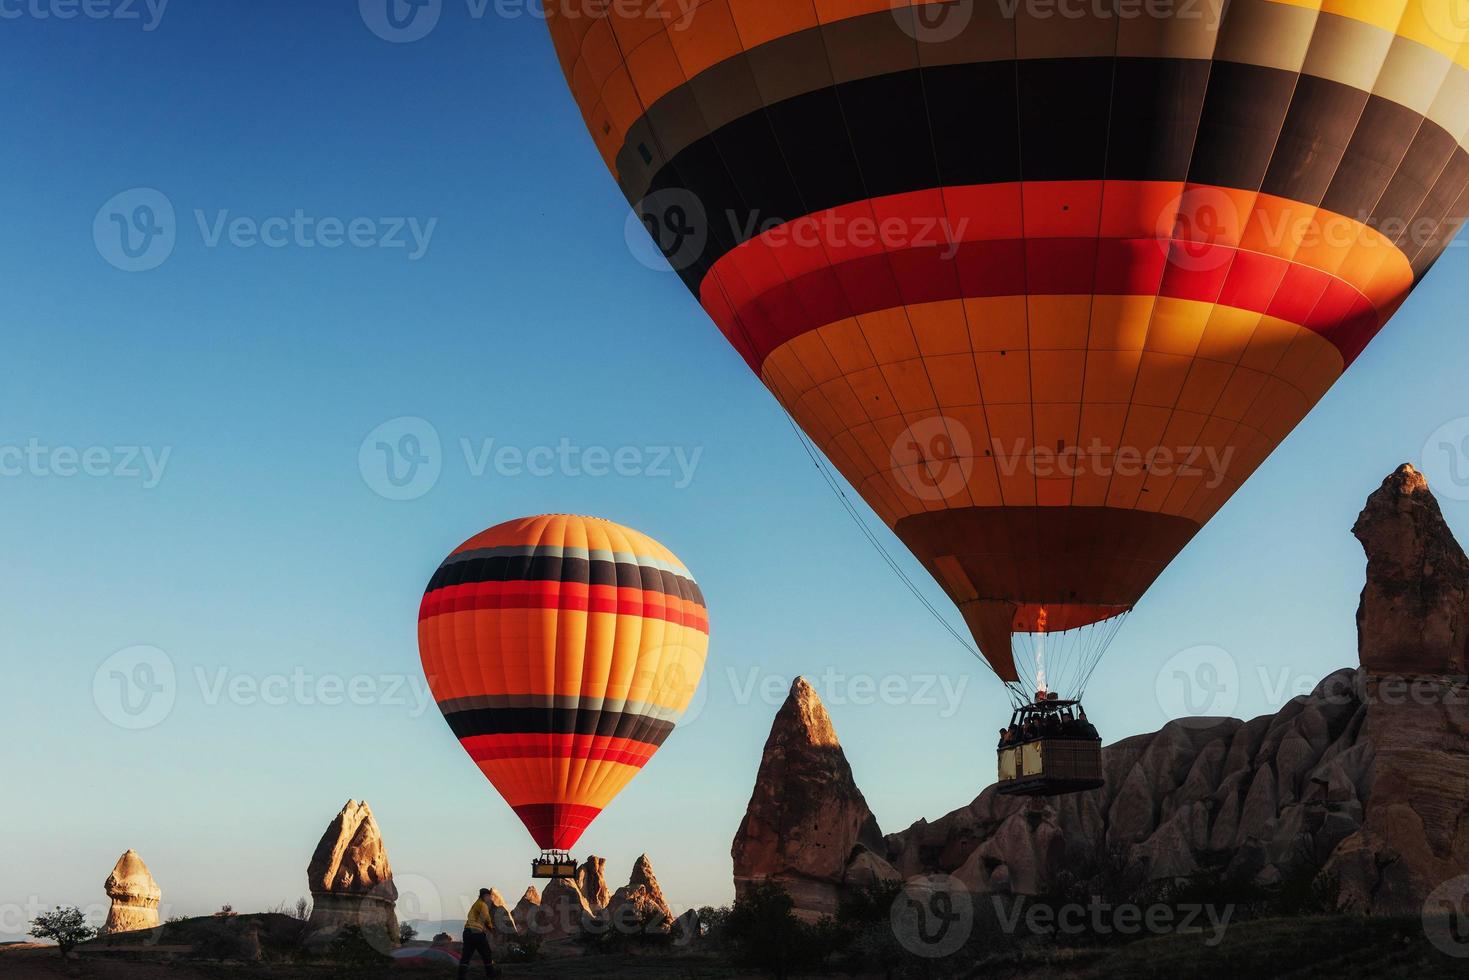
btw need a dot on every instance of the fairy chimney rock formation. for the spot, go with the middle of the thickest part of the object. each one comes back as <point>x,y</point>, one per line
<point>591,878</point>
<point>1414,614</point>
<point>134,894</point>
<point>349,876</point>
<point>526,910</point>
<point>563,912</point>
<point>806,821</point>
<point>501,917</point>
<point>640,904</point>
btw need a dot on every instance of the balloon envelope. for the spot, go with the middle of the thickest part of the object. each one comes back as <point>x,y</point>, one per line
<point>561,651</point>
<point>1045,289</point>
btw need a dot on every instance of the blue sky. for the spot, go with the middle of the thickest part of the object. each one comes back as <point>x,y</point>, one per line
<point>222,518</point>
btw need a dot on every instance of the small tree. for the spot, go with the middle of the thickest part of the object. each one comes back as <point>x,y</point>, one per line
<point>66,926</point>
<point>406,933</point>
<point>303,910</point>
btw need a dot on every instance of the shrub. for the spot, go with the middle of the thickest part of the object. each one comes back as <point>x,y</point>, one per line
<point>67,927</point>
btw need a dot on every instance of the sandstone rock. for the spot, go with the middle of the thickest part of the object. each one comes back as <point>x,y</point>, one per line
<point>134,894</point>
<point>501,918</point>
<point>526,910</point>
<point>563,912</point>
<point>867,869</point>
<point>1368,773</point>
<point>806,815</point>
<point>591,878</point>
<point>1414,614</point>
<point>639,905</point>
<point>350,878</point>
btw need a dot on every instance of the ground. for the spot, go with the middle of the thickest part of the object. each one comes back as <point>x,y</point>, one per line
<point>1302,949</point>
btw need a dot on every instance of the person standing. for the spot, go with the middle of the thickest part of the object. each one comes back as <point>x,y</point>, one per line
<point>477,928</point>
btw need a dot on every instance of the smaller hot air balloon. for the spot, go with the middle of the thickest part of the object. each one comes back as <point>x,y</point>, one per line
<point>562,650</point>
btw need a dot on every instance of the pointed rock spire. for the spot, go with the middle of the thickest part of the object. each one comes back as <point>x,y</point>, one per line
<point>134,893</point>
<point>806,816</point>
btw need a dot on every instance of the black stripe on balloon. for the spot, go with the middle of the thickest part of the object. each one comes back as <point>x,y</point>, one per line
<point>559,721</point>
<point>581,571</point>
<point>1221,124</point>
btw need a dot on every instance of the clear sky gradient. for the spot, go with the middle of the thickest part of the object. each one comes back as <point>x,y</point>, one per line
<point>260,560</point>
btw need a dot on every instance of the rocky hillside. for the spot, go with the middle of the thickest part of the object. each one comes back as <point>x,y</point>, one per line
<point>1366,778</point>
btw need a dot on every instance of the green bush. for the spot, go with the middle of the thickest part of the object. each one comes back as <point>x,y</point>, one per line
<point>67,927</point>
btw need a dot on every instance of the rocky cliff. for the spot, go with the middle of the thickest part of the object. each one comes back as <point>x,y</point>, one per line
<point>1366,778</point>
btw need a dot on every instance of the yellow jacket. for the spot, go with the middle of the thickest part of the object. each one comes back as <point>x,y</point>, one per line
<point>479,917</point>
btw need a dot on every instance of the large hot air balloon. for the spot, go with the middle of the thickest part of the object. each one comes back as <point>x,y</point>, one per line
<point>562,650</point>
<point>1046,285</point>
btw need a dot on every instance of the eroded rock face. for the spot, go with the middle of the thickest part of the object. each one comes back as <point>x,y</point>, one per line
<point>563,912</point>
<point>591,878</point>
<point>639,905</point>
<point>1366,776</point>
<point>806,820</point>
<point>134,894</point>
<point>1414,616</point>
<point>350,878</point>
<point>502,920</point>
<point>526,910</point>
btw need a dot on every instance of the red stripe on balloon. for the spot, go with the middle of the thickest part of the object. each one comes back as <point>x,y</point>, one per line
<point>593,748</point>
<point>818,270</point>
<point>556,826</point>
<point>576,596</point>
